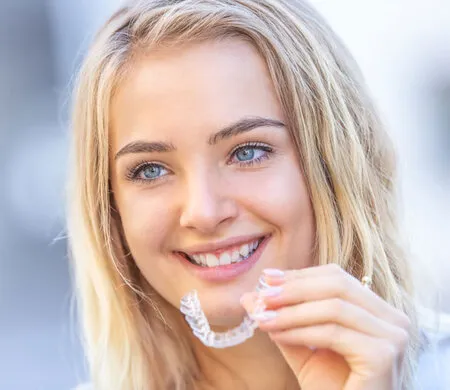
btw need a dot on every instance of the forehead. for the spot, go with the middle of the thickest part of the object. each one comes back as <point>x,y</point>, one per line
<point>192,88</point>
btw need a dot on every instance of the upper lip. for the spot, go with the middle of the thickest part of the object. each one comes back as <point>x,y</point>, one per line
<point>221,245</point>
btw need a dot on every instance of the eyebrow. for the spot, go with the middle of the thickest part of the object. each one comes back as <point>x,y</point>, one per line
<point>145,147</point>
<point>242,126</point>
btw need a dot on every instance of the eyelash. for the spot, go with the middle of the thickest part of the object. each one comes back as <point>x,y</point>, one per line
<point>133,172</point>
<point>253,145</point>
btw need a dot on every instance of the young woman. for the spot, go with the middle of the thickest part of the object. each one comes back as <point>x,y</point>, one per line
<point>217,142</point>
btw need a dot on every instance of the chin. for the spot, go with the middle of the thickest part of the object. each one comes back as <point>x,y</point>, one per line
<point>224,314</point>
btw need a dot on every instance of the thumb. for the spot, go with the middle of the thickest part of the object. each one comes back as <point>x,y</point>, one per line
<point>251,302</point>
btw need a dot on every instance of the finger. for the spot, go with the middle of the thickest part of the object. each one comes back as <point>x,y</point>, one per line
<point>332,310</point>
<point>333,286</point>
<point>275,276</point>
<point>358,349</point>
<point>249,301</point>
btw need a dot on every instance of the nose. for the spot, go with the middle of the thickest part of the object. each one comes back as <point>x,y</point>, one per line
<point>207,203</point>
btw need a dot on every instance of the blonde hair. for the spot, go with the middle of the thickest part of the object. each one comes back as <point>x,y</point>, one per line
<point>344,152</point>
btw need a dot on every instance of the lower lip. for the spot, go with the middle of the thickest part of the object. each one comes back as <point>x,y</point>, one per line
<point>224,273</point>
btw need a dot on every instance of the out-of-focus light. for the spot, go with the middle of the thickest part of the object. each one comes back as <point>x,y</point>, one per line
<point>35,182</point>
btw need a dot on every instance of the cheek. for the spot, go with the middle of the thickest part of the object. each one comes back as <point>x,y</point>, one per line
<point>280,198</point>
<point>146,223</point>
<point>277,194</point>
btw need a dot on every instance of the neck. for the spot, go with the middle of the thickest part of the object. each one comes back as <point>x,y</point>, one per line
<point>255,364</point>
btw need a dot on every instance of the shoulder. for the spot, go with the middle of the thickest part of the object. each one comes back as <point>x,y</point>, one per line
<point>434,360</point>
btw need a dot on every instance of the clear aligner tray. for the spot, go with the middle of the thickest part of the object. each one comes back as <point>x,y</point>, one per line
<point>195,317</point>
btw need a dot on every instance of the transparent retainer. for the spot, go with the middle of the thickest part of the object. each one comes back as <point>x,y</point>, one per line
<point>195,317</point>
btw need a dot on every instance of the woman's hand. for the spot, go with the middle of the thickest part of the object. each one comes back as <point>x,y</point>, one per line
<point>334,333</point>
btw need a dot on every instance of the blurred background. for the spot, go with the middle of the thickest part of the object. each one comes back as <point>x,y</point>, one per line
<point>403,47</point>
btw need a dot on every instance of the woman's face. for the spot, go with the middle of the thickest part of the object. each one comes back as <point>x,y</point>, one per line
<point>205,176</point>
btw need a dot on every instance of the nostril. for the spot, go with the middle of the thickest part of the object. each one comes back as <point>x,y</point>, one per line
<point>207,211</point>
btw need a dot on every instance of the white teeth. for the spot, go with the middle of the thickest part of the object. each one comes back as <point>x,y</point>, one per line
<point>212,260</point>
<point>225,259</point>
<point>243,250</point>
<point>235,256</point>
<point>254,245</point>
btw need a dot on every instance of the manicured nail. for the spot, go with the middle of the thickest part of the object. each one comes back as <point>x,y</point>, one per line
<point>264,316</point>
<point>271,291</point>
<point>273,273</point>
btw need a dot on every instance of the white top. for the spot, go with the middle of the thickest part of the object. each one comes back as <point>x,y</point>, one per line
<point>434,363</point>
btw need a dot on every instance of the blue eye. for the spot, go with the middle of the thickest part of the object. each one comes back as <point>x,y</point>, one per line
<point>151,171</point>
<point>245,154</point>
<point>251,153</point>
<point>148,172</point>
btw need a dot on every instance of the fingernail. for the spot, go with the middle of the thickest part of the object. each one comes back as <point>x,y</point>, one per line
<point>273,273</point>
<point>264,316</point>
<point>271,291</point>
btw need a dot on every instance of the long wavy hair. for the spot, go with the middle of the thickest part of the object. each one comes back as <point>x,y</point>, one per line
<point>345,154</point>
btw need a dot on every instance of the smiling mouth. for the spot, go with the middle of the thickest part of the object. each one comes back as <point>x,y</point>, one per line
<point>232,255</point>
